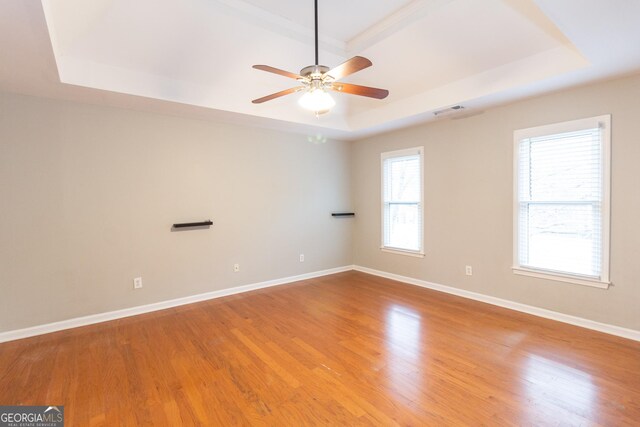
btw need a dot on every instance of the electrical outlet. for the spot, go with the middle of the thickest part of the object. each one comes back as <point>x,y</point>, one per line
<point>236,268</point>
<point>137,283</point>
<point>468,270</point>
<point>301,257</point>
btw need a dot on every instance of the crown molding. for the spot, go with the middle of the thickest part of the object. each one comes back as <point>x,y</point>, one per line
<point>392,23</point>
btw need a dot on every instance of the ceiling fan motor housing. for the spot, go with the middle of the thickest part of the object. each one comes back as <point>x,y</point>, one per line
<point>314,70</point>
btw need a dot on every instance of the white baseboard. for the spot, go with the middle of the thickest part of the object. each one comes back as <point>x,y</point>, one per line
<point>536,311</point>
<point>118,314</point>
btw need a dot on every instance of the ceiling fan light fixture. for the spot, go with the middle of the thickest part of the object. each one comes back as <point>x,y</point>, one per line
<point>317,100</point>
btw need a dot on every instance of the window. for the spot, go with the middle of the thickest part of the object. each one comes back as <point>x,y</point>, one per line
<point>402,202</point>
<point>561,201</point>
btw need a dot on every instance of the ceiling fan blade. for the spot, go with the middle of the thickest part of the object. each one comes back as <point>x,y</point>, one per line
<point>348,67</point>
<point>371,92</point>
<point>277,95</point>
<point>277,71</point>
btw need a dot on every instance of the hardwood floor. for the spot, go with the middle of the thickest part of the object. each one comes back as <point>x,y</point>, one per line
<point>347,349</point>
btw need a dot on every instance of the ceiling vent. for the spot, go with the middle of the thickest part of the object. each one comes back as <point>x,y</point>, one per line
<point>448,111</point>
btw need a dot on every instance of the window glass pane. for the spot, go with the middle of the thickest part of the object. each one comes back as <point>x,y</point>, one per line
<point>566,167</point>
<point>564,238</point>
<point>405,179</point>
<point>403,226</point>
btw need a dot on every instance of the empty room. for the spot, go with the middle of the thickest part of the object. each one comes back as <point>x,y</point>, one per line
<point>292,213</point>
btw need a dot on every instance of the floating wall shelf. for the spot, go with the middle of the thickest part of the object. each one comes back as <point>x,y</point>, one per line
<point>193,224</point>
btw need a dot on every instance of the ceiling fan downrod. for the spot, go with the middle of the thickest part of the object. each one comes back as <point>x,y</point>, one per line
<point>316,27</point>
<point>315,71</point>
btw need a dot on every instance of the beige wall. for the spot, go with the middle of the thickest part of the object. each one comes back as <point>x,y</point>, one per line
<point>468,202</point>
<point>88,195</point>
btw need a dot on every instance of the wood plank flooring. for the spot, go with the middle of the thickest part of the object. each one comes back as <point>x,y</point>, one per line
<point>346,349</point>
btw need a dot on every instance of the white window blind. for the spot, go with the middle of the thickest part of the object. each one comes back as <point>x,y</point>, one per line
<point>562,199</point>
<point>402,200</point>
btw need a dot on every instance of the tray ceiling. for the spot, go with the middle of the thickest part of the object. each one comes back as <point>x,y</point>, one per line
<point>194,57</point>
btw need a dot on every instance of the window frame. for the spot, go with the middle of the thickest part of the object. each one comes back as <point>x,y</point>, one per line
<point>402,153</point>
<point>604,122</point>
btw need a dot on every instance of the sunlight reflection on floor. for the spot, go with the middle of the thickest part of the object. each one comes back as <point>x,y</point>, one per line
<point>557,389</point>
<point>404,347</point>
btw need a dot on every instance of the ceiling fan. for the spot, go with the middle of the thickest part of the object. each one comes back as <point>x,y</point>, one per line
<point>316,80</point>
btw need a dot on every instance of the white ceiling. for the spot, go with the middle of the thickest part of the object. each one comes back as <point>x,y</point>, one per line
<point>193,57</point>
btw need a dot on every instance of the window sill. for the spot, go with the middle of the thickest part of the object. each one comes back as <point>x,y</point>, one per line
<point>561,277</point>
<point>403,252</point>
